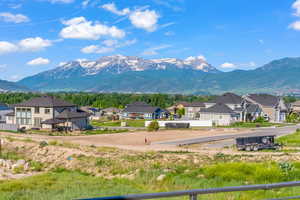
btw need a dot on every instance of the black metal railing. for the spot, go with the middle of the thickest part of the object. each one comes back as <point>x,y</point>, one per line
<point>194,194</point>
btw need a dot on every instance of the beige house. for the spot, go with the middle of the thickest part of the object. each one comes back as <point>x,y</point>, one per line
<point>295,106</point>
<point>192,110</point>
<point>273,107</point>
<point>48,113</point>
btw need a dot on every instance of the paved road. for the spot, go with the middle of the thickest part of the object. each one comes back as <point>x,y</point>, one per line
<point>257,132</point>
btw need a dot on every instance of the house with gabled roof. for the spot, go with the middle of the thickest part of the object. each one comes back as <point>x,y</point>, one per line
<point>192,110</point>
<point>142,110</point>
<point>220,114</point>
<point>4,110</point>
<point>48,113</point>
<point>273,107</point>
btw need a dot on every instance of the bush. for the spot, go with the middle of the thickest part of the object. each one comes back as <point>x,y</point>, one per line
<point>293,118</point>
<point>153,126</point>
<point>260,120</point>
<point>43,144</point>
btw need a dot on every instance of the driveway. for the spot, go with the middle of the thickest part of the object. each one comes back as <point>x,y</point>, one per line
<point>229,139</point>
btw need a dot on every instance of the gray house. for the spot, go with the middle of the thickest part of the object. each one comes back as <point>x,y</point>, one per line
<point>4,110</point>
<point>192,110</point>
<point>141,110</point>
<point>48,113</point>
<point>273,107</point>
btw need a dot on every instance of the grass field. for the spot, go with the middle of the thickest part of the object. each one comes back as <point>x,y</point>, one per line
<point>61,184</point>
<point>130,123</point>
<point>292,140</point>
<point>254,125</point>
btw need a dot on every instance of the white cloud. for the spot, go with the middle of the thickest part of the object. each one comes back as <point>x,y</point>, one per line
<point>62,64</point>
<point>154,50</point>
<point>80,28</point>
<point>39,61</point>
<point>107,46</point>
<point>228,65</point>
<point>146,20</point>
<point>112,8</point>
<point>28,44</point>
<point>295,26</point>
<point>96,49</point>
<point>296,6</point>
<point>34,44</point>
<point>15,18</point>
<point>61,1</point>
<point>192,58</point>
<point>7,47</point>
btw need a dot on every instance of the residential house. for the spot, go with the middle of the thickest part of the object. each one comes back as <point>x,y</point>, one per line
<point>95,113</point>
<point>48,113</point>
<point>273,107</point>
<point>192,110</point>
<point>295,106</point>
<point>251,112</point>
<point>141,110</point>
<point>231,100</point>
<point>220,114</point>
<point>4,110</point>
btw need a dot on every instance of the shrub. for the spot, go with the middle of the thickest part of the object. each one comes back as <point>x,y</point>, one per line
<point>260,120</point>
<point>293,118</point>
<point>43,144</point>
<point>153,126</point>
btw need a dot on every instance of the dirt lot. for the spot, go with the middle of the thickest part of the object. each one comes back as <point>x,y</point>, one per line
<point>141,140</point>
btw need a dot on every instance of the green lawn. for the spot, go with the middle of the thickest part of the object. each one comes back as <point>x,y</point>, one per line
<point>130,123</point>
<point>292,140</point>
<point>106,131</point>
<point>65,185</point>
<point>253,125</point>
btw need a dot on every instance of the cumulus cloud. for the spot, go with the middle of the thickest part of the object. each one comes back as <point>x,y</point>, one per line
<point>154,50</point>
<point>146,19</point>
<point>112,8</point>
<point>107,46</point>
<point>7,47</point>
<point>140,18</point>
<point>14,18</point>
<point>192,58</point>
<point>34,44</point>
<point>28,44</point>
<point>80,28</point>
<point>295,26</point>
<point>85,3</point>
<point>39,61</point>
<point>296,6</point>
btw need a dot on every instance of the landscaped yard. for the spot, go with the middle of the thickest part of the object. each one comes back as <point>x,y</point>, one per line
<point>130,123</point>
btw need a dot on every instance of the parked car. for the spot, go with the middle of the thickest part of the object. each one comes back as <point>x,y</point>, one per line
<point>257,143</point>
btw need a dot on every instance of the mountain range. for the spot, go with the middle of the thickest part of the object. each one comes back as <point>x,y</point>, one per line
<point>193,75</point>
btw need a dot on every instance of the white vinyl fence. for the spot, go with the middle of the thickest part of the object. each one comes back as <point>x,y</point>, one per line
<point>9,127</point>
<point>193,123</point>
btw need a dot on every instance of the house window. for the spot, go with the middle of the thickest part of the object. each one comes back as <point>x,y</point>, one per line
<point>23,116</point>
<point>37,110</point>
<point>47,111</point>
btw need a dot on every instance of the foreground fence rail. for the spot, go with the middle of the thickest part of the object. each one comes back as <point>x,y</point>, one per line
<point>195,194</point>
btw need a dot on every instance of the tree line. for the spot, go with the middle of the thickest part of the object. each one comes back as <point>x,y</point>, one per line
<point>106,100</point>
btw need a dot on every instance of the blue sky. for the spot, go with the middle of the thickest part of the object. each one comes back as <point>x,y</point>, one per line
<point>38,35</point>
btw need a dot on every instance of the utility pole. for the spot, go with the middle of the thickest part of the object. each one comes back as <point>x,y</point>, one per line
<point>0,148</point>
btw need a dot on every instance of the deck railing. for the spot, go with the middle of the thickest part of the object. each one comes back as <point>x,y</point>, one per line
<point>194,194</point>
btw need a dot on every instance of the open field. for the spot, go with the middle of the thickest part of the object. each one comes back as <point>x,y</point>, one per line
<point>101,171</point>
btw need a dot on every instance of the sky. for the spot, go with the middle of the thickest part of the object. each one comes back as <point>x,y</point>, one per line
<point>38,35</point>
